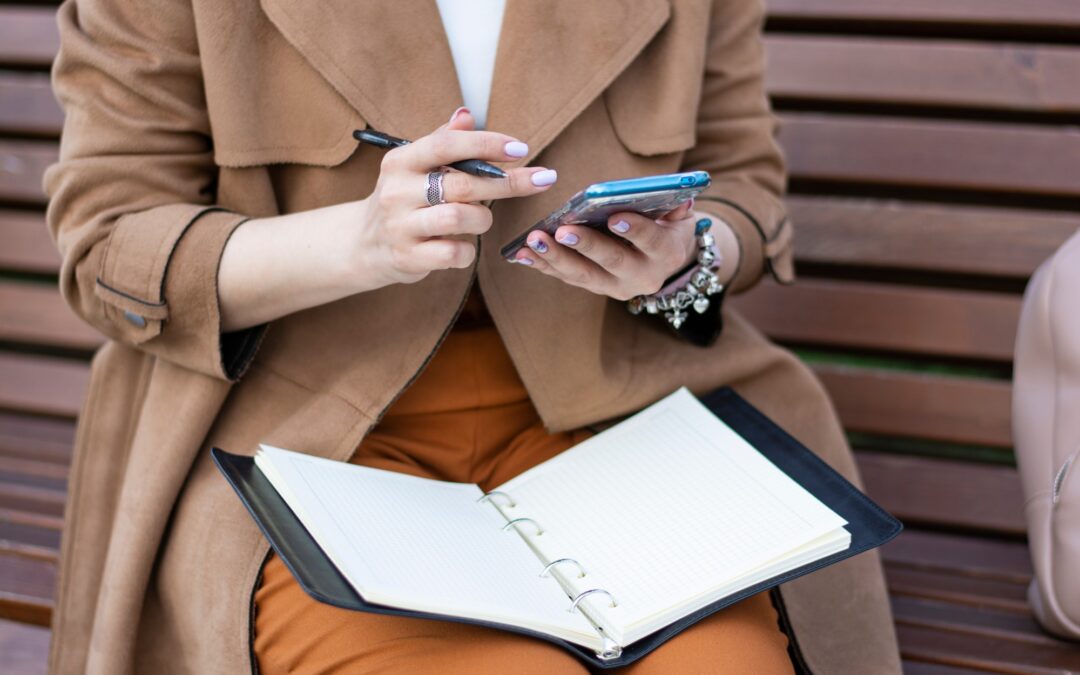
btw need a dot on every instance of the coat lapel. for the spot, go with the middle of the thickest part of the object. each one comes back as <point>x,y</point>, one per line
<point>555,57</point>
<point>392,61</point>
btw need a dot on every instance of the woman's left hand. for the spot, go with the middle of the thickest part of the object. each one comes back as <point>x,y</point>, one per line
<point>636,257</point>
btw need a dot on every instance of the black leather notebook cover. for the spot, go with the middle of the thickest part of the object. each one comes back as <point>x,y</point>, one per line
<point>869,524</point>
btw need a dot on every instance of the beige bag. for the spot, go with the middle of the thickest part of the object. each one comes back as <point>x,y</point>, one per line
<point>1046,430</point>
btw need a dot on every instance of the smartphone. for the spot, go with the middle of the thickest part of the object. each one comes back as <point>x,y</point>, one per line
<point>651,196</point>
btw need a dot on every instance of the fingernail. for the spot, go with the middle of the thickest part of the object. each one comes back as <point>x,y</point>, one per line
<point>523,261</point>
<point>545,177</point>
<point>516,149</point>
<point>569,239</point>
<point>621,227</point>
<point>458,112</point>
<point>538,245</point>
<point>690,204</point>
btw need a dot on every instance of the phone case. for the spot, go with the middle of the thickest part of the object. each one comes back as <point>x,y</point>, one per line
<point>651,196</point>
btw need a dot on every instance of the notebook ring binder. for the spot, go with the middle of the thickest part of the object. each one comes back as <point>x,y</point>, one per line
<point>487,497</point>
<point>515,521</point>
<point>584,594</point>
<point>553,563</point>
<point>278,485</point>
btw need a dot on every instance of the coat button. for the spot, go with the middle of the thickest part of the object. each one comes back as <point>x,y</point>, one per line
<point>134,319</point>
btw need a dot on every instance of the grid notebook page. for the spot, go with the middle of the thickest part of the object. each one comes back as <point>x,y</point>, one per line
<point>666,504</point>
<point>417,543</point>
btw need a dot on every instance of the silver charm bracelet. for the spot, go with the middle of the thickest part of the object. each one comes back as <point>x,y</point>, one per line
<point>702,285</point>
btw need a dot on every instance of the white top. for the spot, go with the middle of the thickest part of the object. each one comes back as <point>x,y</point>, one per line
<point>472,28</point>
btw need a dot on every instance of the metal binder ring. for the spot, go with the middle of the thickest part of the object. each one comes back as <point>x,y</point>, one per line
<point>515,521</point>
<point>584,594</point>
<point>487,497</point>
<point>553,563</point>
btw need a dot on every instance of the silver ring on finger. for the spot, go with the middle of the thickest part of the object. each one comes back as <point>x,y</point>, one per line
<point>434,188</point>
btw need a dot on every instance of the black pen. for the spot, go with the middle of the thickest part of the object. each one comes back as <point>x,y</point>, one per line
<point>470,166</point>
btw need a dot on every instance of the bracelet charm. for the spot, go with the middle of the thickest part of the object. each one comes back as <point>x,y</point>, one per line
<point>703,284</point>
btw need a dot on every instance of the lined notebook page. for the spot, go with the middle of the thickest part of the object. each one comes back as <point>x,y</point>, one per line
<point>417,543</point>
<point>667,503</point>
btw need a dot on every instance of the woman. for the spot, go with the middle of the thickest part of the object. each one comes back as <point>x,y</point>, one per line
<point>209,185</point>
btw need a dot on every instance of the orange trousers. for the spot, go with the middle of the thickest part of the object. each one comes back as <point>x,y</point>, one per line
<point>468,418</point>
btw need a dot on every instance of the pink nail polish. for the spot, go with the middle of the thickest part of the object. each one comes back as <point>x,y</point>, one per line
<point>545,177</point>
<point>516,149</point>
<point>458,112</point>
<point>621,227</point>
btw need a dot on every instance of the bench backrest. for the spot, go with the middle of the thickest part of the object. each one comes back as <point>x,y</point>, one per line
<point>935,162</point>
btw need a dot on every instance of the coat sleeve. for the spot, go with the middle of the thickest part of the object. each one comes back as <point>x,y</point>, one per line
<point>736,145</point>
<point>131,198</point>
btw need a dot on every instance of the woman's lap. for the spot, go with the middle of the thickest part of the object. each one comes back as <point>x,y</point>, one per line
<point>468,418</point>
<point>297,634</point>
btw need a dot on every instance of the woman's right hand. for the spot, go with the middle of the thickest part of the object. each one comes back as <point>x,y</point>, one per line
<point>272,267</point>
<point>406,238</point>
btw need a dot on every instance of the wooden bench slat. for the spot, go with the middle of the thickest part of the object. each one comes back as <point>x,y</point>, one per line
<point>36,314</point>
<point>25,648</point>
<point>11,471</point>
<point>26,588</point>
<point>1015,77</point>
<point>33,468</point>
<point>1059,13</point>
<point>923,668</point>
<point>22,166</point>
<point>30,551</point>
<point>28,36</point>
<point>961,554</point>
<point>946,492</point>
<point>925,237</point>
<point>38,520</point>
<point>886,317</point>
<point>970,591</point>
<point>40,439</point>
<point>27,244</point>
<point>43,385</point>
<point>977,621</point>
<point>1008,158</point>
<point>32,499</point>
<point>934,407</point>
<point>43,538</point>
<point>985,652</point>
<point>27,105</point>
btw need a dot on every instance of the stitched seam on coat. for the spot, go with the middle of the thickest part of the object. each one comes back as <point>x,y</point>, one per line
<point>109,288</point>
<point>741,209</point>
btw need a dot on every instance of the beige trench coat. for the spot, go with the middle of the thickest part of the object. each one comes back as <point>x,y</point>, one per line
<point>184,117</point>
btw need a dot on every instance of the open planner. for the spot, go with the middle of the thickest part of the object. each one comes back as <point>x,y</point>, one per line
<point>607,549</point>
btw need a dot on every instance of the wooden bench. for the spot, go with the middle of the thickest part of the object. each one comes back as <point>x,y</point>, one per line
<point>933,168</point>
<point>934,162</point>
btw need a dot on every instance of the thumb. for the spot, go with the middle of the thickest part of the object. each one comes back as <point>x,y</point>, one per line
<point>461,120</point>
